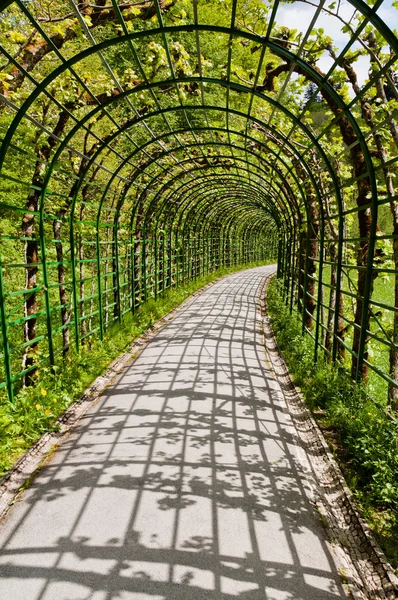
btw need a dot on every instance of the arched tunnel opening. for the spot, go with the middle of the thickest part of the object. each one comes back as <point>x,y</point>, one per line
<point>147,143</point>
<point>147,148</point>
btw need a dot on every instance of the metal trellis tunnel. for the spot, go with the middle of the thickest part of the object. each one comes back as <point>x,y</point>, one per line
<point>146,143</point>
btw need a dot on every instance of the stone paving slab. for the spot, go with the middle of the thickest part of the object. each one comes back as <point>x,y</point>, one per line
<point>185,481</point>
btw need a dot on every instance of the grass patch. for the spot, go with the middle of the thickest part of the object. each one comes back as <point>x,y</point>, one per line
<point>362,436</point>
<point>37,408</point>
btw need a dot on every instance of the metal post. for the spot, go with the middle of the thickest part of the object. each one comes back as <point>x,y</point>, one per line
<point>4,330</point>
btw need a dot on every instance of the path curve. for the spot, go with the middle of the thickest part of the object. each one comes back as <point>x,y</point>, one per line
<point>184,482</point>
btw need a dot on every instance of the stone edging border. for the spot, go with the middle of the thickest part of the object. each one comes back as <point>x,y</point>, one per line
<point>367,573</point>
<point>28,465</point>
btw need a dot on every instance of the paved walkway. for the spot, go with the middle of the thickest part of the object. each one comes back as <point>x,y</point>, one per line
<point>184,483</point>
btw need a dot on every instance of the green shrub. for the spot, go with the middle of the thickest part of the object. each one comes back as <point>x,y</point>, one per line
<point>367,434</point>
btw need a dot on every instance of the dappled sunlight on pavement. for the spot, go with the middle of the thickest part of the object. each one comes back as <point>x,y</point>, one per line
<point>184,482</point>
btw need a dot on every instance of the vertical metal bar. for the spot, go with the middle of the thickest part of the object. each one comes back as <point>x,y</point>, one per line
<point>293,270</point>
<point>294,263</point>
<point>319,295</point>
<point>4,330</point>
<point>170,256</point>
<point>99,282</point>
<point>74,281</point>
<point>299,259</point>
<point>155,261</point>
<point>307,262</point>
<point>283,252</point>
<point>195,251</point>
<point>163,261</point>
<point>279,265</point>
<point>223,246</point>
<point>133,261</point>
<point>189,258</point>
<point>211,255</point>
<point>177,258</point>
<point>202,261</point>
<point>45,281</point>
<point>208,250</point>
<point>287,253</point>
<point>182,259</point>
<point>143,263</point>
<point>132,270</point>
<point>116,251</point>
<point>338,288</point>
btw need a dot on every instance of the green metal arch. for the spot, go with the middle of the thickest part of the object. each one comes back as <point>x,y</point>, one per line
<point>268,196</point>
